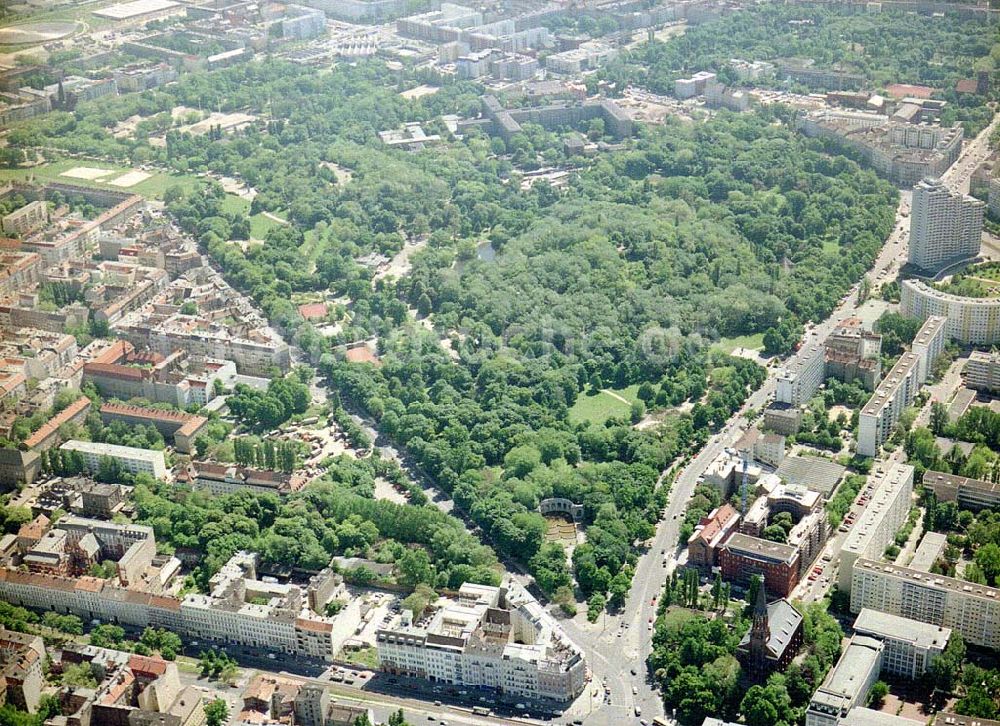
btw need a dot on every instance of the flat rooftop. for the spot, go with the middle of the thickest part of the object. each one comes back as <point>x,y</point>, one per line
<point>867,717</point>
<point>896,482</point>
<point>929,329</point>
<point>848,676</point>
<point>124,11</point>
<point>940,582</point>
<point>764,549</point>
<point>887,388</point>
<point>886,625</point>
<point>792,369</point>
<point>930,548</point>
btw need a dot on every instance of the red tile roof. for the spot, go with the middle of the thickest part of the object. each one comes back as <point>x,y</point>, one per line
<point>47,429</point>
<point>313,311</point>
<point>362,354</point>
<point>967,85</point>
<point>902,90</point>
<point>35,529</point>
<point>146,665</point>
<point>712,526</point>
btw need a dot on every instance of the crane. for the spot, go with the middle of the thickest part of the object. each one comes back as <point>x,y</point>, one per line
<point>745,457</point>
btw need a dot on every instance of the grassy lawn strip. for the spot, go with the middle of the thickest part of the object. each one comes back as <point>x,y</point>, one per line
<point>603,405</point>
<point>751,342</point>
<point>152,188</point>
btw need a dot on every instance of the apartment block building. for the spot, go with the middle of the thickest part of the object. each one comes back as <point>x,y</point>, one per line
<point>239,609</point>
<point>900,386</point>
<point>902,151</point>
<point>799,380</point>
<point>65,244</point>
<point>18,271</point>
<point>782,418</point>
<point>253,353</point>
<point>130,458</point>
<point>971,320</point>
<point>944,226</point>
<point>853,353</point>
<point>910,645</point>
<point>222,479</point>
<point>694,85</point>
<point>131,546</point>
<point>182,427</point>
<point>48,434</point>
<point>176,378</point>
<point>893,395</point>
<point>26,219</point>
<point>982,370</point>
<point>967,608</point>
<point>879,521</point>
<point>22,657</point>
<point>929,343</point>
<point>488,637</point>
<point>18,467</point>
<point>42,352</point>
<point>974,494</point>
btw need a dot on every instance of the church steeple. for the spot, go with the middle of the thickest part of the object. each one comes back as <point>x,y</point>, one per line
<point>760,633</point>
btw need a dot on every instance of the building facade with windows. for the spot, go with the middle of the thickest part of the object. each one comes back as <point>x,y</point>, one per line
<point>910,645</point>
<point>945,226</point>
<point>798,381</point>
<point>239,609</point>
<point>971,320</point>
<point>744,556</point>
<point>972,494</point>
<point>488,637</point>
<point>982,370</point>
<point>967,608</point>
<point>900,386</point>
<point>879,521</point>
<point>130,458</point>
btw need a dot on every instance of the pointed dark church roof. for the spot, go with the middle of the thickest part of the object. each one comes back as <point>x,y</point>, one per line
<point>782,622</point>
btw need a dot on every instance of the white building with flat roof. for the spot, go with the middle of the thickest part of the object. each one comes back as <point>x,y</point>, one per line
<point>929,342</point>
<point>879,521</point>
<point>900,386</point>
<point>982,370</point>
<point>966,607</point>
<point>945,226</point>
<point>800,378</point>
<point>910,645</point>
<point>130,458</point>
<point>239,609</point>
<point>896,391</point>
<point>847,684</point>
<point>971,320</point>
